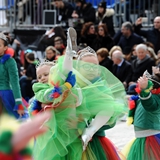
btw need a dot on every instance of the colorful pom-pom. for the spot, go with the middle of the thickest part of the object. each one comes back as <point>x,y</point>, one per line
<point>129,120</point>
<point>131,104</point>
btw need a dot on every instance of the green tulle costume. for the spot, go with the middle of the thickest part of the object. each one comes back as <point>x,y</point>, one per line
<point>79,105</point>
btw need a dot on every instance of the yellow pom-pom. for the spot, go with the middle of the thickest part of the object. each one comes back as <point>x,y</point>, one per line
<point>68,85</point>
<point>129,120</point>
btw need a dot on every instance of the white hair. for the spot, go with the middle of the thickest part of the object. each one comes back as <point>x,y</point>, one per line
<point>141,46</point>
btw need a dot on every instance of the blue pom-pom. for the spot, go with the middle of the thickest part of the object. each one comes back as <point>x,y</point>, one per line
<point>5,57</point>
<point>36,105</point>
<point>134,97</point>
<point>71,78</point>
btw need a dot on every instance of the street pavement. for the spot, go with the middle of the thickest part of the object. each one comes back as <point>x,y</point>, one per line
<point>120,134</point>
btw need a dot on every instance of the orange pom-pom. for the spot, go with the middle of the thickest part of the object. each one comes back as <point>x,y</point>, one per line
<point>10,51</point>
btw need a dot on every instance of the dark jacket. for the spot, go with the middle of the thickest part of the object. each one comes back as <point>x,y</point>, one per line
<point>152,35</point>
<point>139,68</point>
<point>107,62</point>
<point>87,13</point>
<point>88,39</point>
<point>129,42</point>
<point>124,73</point>
<point>105,42</point>
<point>65,12</point>
<point>31,71</point>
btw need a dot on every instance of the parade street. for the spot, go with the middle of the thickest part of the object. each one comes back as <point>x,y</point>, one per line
<point>120,134</point>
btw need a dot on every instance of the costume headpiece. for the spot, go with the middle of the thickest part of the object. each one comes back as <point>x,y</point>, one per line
<point>85,52</point>
<point>45,62</point>
<point>155,79</point>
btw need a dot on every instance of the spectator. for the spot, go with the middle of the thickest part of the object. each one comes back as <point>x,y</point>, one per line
<point>103,58</point>
<point>132,55</point>
<point>152,35</point>
<point>152,54</point>
<point>149,44</point>
<point>48,38</point>
<point>64,11</point>
<point>113,49</point>
<point>121,68</point>
<point>158,60</point>
<point>85,11</point>
<point>128,38</point>
<point>28,75</point>
<point>103,38</point>
<point>142,63</point>
<point>105,16</point>
<point>59,45</point>
<point>51,53</point>
<point>88,34</point>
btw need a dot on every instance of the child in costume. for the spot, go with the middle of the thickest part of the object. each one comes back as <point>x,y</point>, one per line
<point>144,113</point>
<point>59,96</point>
<point>104,97</point>
<point>15,137</point>
<point>9,83</point>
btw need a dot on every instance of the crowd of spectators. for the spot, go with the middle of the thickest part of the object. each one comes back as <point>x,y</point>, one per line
<point>127,53</point>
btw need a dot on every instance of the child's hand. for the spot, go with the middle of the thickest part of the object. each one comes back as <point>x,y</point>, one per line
<point>20,112</point>
<point>28,130</point>
<point>143,82</point>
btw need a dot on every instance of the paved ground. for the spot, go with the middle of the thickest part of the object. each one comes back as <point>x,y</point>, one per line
<point>120,134</point>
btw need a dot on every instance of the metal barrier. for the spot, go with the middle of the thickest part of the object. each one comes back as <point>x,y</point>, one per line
<point>17,14</point>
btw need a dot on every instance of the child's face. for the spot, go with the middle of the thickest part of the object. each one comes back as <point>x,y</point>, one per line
<point>50,54</point>
<point>58,45</point>
<point>89,70</point>
<point>2,47</point>
<point>43,73</point>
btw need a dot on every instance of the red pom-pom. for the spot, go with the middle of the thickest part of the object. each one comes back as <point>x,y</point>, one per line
<point>20,107</point>
<point>155,91</point>
<point>131,104</point>
<point>137,89</point>
<point>34,112</point>
<point>56,95</point>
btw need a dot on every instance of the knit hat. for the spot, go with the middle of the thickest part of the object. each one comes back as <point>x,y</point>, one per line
<point>102,4</point>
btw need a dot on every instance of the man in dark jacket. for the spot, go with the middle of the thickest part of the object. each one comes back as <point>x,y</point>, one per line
<point>142,63</point>
<point>64,11</point>
<point>152,35</point>
<point>128,38</point>
<point>85,11</point>
<point>121,68</point>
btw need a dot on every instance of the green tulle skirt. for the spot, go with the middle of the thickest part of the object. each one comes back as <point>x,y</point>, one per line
<point>146,148</point>
<point>103,94</point>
